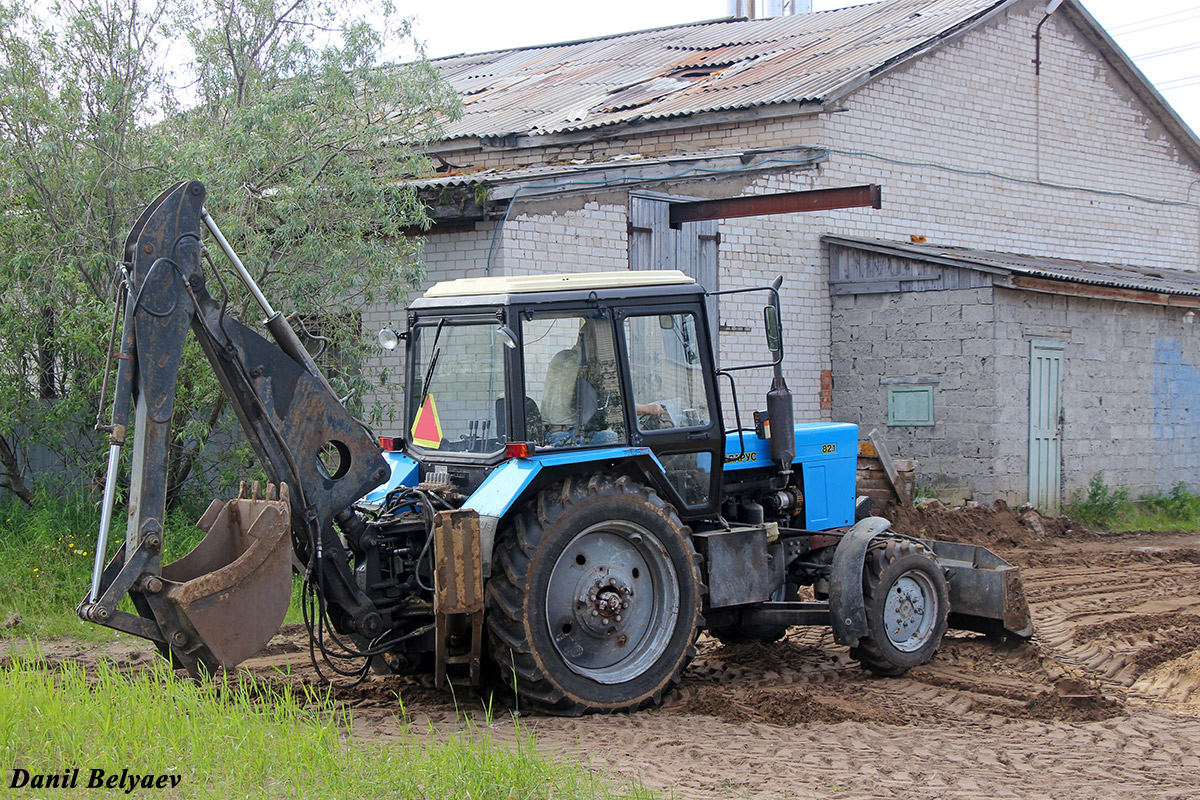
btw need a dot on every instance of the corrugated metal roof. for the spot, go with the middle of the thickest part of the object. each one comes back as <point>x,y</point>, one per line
<point>688,69</point>
<point>1121,276</point>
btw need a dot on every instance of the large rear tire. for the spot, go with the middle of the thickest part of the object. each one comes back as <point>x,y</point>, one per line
<point>596,602</point>
<point>907,602</point>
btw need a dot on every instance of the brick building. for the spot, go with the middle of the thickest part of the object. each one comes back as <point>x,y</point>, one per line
<point>568,157</point>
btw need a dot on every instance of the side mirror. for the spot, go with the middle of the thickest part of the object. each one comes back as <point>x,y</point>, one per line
<point>774,334</point>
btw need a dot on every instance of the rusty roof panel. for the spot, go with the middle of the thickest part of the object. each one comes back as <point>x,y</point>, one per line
<point>693,68</point>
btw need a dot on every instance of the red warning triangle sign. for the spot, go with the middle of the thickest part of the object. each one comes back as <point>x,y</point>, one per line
<point>427,427</point>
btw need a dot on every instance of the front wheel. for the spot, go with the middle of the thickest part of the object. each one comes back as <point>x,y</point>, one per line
<point>597,601</point>
<point>907,603</point>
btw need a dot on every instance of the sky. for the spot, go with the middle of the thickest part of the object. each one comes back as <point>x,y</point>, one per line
<point>1161,36</point>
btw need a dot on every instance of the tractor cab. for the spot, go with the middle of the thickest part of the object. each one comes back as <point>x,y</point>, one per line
<point>568,367</point>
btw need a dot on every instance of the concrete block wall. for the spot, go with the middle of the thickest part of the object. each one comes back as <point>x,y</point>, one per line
<point>942,339</point>
<point>563,236</point>
<point>1130,391</point>
<point>1130,386</point>
<point>927,130</point>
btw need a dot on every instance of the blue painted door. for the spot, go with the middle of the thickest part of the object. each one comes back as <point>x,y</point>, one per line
<point>1045,424</point>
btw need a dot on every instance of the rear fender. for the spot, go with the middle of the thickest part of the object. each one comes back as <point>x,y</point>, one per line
<point>846,607</point>
<point>518,479</point>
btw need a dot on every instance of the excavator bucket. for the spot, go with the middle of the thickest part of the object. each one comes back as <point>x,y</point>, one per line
<point>234,587</point>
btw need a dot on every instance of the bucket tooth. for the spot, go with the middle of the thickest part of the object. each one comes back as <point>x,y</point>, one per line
<point>234,587</point>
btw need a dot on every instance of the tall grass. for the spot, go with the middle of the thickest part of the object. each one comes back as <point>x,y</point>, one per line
<point>243,738</point>
<point>46,557</point>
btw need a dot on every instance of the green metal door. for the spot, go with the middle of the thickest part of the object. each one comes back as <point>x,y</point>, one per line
<point>1045,424</point>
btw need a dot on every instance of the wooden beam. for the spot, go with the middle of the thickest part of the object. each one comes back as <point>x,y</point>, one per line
<point>785,203</point>
<point>1062,287</point>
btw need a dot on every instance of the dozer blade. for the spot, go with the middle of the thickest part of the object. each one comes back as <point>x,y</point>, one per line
<point>234,587</point>
<point>986,592</point>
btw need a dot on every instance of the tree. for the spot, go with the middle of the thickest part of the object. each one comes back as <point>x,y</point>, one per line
<point>71,153</point>
<point>302,138</point>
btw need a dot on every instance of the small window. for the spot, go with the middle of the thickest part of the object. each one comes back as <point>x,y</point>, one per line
<point>691,475</point>
<point>910,406</point>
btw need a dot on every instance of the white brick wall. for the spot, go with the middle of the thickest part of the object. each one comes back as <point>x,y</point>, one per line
<point>587,239</point>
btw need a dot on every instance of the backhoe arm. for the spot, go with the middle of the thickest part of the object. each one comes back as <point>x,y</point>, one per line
<point>210,608</point>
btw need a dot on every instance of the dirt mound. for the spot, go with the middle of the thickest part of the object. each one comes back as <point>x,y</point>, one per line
<point>1180,643</point>
<point>1176,683</point>
<point>1183,555</point>
<point>1089,706</point>
<point>990,526</point>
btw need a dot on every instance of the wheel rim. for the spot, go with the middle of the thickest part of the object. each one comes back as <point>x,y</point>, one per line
<point>612,601</point>
<point>910,612</point>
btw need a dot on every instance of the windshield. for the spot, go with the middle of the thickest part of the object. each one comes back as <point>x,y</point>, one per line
<point>457,400</point>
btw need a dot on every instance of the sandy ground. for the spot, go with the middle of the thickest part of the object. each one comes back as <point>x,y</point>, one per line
<point>1104,702</point>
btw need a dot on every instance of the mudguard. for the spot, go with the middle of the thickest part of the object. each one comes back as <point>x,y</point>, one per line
<point>846,607</point>
<point>519,478</point>
<point>509,482</point>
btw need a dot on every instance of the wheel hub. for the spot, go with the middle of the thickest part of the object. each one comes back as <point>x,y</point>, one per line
<point>908,624</point>
<point>611,601</point>
<point>602,607</point>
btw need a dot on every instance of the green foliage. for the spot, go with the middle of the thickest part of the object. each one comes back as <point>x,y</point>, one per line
<point>1178,510</point>
<point>247,738</point>
<point>1178,505</point>
<point>1112,510</point>
<point>47,549</point>
<point>302,139</point>
<point>1099,506</point>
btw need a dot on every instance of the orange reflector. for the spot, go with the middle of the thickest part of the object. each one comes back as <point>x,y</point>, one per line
<point>390,443</point>
<point>516,450</point>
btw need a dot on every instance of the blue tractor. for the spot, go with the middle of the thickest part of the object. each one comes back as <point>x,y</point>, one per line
<point>569,504</point>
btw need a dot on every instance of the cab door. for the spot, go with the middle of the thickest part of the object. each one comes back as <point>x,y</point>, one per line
<point>672,407</point>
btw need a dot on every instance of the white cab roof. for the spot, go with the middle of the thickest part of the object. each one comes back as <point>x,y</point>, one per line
<point>557,282</point>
